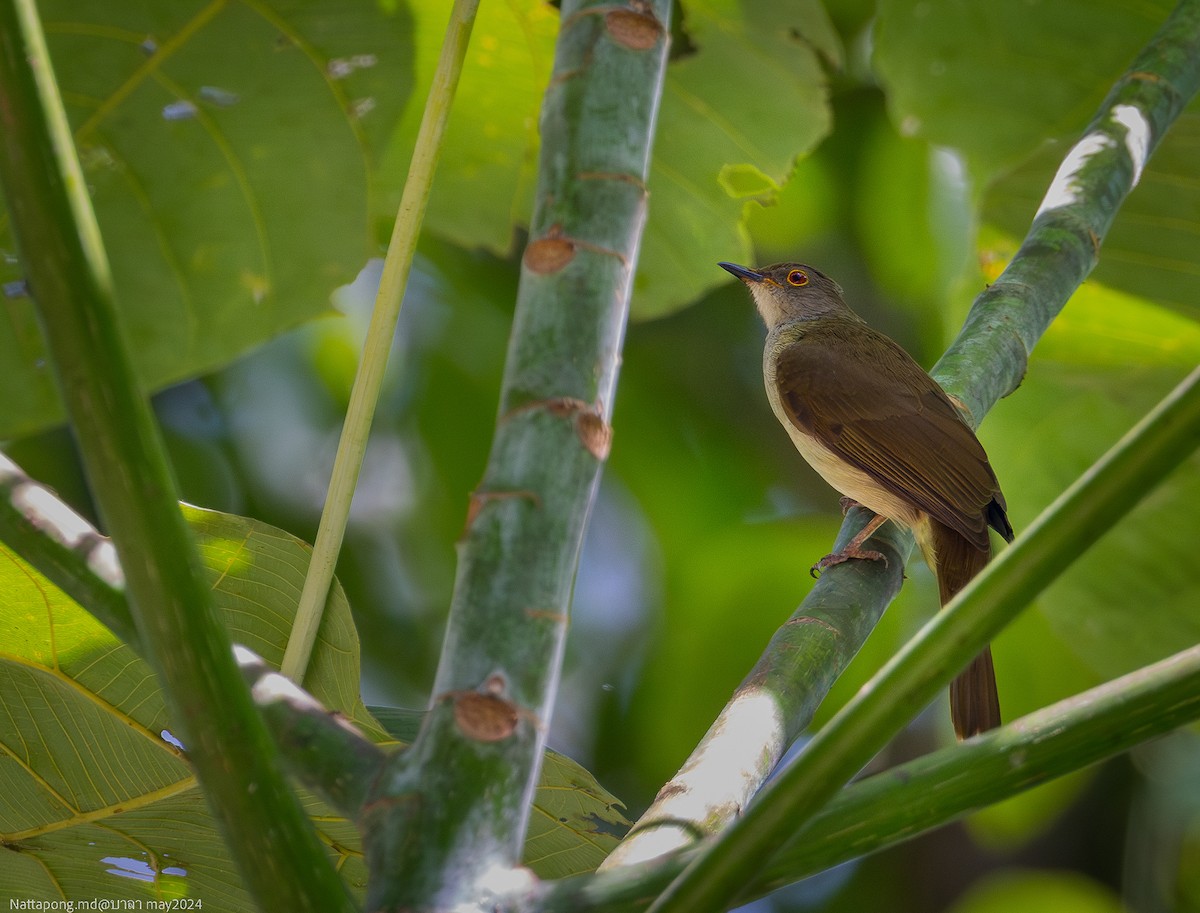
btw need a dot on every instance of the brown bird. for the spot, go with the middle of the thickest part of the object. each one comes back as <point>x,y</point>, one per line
<point>883,433</point>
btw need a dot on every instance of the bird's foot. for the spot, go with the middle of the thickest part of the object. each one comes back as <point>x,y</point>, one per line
<point>846,504</point>
<point>850,551</point>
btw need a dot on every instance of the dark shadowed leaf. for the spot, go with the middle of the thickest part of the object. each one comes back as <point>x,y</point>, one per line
<point>230,150</point>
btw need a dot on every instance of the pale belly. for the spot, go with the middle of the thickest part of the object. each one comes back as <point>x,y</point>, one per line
<point>846,479</point>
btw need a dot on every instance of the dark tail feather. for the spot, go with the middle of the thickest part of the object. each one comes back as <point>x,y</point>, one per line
<point>974,702</point>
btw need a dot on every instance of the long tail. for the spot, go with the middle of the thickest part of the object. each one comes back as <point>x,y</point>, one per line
<point>974,702</point>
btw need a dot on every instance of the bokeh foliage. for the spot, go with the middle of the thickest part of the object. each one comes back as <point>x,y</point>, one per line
<point>902,146</point>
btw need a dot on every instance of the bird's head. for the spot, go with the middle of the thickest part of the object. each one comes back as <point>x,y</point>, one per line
<point>787,292</point>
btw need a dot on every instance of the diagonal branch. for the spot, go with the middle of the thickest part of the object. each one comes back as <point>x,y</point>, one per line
<point>986,362</point>
<point>1081,515</point>
<point>909,800</point>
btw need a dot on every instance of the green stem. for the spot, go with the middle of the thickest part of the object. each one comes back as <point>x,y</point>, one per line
<point>1112,487</point>
<point>449,816</point>
<point>380,334</point>
<point>906,801</point>
<point>65,548</point>
<point>329,755</point>
<point>282,862</point>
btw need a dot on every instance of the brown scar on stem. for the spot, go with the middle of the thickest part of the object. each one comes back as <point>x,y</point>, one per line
<point>486,714</point>
<point>590,427</point>
<point>480,499</point>
<point>594,433</point>
<point>546,614</point>
<point>552,251</point>
<point>634,27</point>
<point>810,620</point>
<point>549,253</point>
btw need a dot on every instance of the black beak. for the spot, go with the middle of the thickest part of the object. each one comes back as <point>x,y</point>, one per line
<point>744,273</point>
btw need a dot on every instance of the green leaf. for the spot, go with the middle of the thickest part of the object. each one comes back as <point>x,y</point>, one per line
<point>1151,250</point>
<point>937,87</point>
<point>749,98</point>
<point>86,769</point>
<point>230,151</point>
<point>575,821</point>
<point>716,135</point>
<point>76,701</point>
<point>484,183</point>
<point>1051,88</point>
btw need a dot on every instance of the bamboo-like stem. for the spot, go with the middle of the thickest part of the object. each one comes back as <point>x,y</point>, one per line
<point>447,822</point>
<point>329,755</point>
<point>364,395</point>
<point>986,361</point>
<point>1080,516</point>
<point>906,801</point>
<point>64,547</point>
<point>282,863</point>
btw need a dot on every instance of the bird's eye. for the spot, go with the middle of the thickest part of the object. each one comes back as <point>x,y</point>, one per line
<point>797,277</point>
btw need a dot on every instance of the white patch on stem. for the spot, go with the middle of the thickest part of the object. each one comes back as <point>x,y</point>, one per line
<point>273,686</point>
<point>1063,189</point>
<point>716,782</point>
<point>1137,137</point>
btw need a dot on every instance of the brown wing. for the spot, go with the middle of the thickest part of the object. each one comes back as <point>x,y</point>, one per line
<point>873,405</point>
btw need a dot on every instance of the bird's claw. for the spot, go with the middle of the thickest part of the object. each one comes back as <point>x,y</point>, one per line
<point>866,554</point>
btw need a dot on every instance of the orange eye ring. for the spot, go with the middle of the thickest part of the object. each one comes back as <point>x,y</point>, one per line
<point>797,277</point>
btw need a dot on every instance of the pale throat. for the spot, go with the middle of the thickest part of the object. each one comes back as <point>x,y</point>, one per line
<point>767,304</point>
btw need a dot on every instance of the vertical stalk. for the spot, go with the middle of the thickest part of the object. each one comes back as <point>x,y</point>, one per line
<point>283,864</point>
<point>452,810</point>
<point>364,396</point>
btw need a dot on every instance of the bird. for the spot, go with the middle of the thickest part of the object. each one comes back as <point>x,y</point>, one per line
<point>884,434</point>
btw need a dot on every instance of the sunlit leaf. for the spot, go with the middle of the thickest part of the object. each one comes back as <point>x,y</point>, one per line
<point>712,127</point>
<point>89,766</point>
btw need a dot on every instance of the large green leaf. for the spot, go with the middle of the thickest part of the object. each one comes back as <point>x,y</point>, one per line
<point>1151,250</point>
<point>88,774</point>
<point>739,107</point>
<point>745,96</point>
<point>1051,90</point>
<point>484,183</point>
<point>1045,69</point>
<point>230,149</point>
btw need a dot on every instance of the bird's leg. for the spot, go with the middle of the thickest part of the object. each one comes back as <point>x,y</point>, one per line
<point>854,547</point>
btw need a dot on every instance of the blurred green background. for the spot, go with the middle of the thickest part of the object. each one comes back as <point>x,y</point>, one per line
<point>901,146</point>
